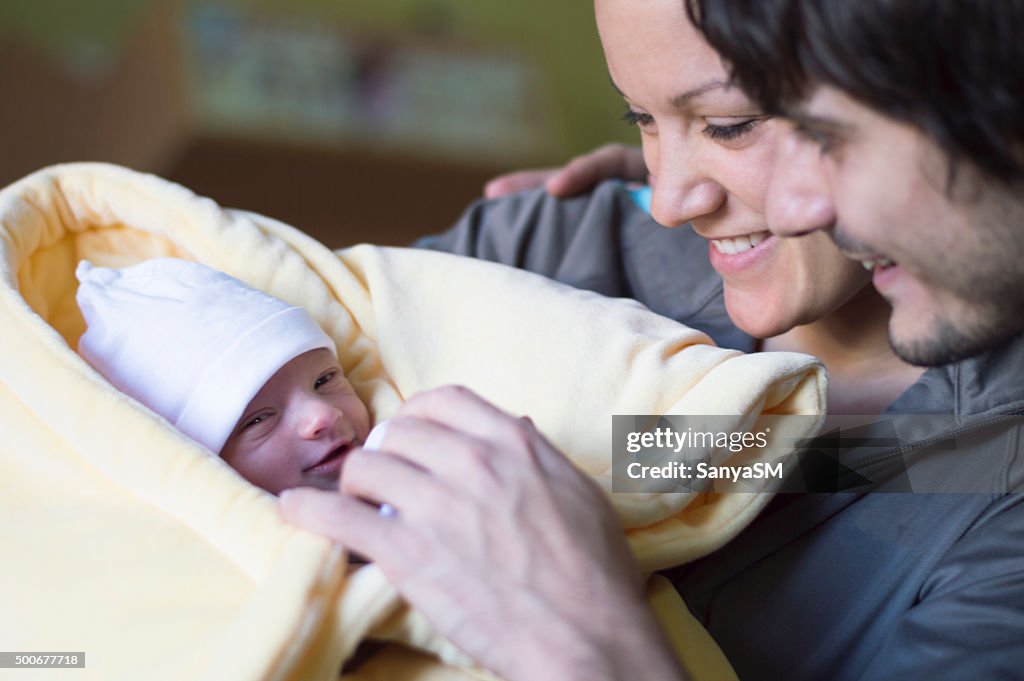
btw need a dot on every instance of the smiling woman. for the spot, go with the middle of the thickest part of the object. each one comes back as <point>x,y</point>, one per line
<point>709,150</point>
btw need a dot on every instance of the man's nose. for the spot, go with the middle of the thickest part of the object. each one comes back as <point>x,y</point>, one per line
<point>799,200</point>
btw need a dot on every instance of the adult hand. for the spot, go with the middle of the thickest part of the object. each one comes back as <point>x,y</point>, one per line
<point>576,176</point>
<point>513,554</point>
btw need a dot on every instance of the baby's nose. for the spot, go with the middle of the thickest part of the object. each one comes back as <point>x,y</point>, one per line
<point>319,418</point>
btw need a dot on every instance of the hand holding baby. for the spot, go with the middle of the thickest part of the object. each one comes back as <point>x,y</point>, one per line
<point>494,526</point>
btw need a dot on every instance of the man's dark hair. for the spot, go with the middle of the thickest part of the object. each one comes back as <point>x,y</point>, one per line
<point>953,68</point>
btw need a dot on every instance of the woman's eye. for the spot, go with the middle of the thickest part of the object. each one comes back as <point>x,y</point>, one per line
<point>637,118</point>
<point>724,133</point>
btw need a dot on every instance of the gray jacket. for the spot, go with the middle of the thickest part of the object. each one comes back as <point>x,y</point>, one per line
<point>865,582</point>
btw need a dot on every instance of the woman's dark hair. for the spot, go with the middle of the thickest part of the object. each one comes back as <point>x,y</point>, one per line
<point>953,68</point>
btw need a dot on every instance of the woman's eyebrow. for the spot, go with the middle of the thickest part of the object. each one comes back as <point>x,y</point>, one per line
<point>682,100</point>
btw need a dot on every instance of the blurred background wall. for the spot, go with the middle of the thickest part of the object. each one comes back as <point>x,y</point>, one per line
<point>355,120</point>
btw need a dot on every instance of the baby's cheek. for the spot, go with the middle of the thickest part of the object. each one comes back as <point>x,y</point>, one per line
<point>360,417</point>
<point>262,467</point>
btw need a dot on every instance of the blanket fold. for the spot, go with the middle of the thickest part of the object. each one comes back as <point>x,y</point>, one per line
<point>129,541</point>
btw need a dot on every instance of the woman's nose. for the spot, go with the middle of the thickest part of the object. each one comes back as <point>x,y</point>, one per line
<point>799,200</point>
<point>683,189</point>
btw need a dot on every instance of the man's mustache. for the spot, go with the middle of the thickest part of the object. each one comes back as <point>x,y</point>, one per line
<point>850,247</point>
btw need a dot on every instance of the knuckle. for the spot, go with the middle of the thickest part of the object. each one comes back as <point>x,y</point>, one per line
<point>578,162</point>
<point>525,439</point>
<point>523,434</point>
<point>477,455</point>
<point>526,424</point>
<point>442,394</point>
<point>453,390</point>
<point>480,466</point>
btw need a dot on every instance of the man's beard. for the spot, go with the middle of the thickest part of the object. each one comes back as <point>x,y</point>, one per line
<point>949,342</point>
<point>989,308</point>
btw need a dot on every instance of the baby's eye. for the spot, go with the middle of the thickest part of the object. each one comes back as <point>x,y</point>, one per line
<point>325,379</point>
<point>254,421</point>
<point>257,424</point>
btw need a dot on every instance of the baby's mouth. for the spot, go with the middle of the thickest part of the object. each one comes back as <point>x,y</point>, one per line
<point>330,461</point>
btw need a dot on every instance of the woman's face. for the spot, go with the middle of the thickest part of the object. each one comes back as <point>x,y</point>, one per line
<point>710,151</point>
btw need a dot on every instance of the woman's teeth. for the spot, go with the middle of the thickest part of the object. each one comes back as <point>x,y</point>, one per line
<point>739,244</point>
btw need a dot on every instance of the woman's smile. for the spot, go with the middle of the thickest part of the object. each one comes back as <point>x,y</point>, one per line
<point>735,255</point>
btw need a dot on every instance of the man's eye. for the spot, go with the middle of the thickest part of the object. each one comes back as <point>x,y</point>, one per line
<point>825,140</point>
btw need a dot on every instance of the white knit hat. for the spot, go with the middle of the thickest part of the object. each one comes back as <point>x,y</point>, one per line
<point>191,343</point>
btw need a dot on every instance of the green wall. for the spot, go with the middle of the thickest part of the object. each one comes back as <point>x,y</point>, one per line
<point>559,35</point>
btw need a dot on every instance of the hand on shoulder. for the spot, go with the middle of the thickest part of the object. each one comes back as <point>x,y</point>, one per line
<point>577,176</point>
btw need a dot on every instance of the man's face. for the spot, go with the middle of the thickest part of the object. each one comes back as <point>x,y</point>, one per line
<point>949,257</point>
<point>298,428</point>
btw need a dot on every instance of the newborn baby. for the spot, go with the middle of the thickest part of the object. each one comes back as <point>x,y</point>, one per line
<point>247,375</point>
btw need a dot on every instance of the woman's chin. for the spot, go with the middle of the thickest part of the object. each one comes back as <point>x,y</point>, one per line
<point>759,321</point>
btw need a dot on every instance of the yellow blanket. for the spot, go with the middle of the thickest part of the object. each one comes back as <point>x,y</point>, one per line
<point>124,539</point>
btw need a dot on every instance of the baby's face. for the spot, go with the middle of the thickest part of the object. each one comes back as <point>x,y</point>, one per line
<point>298,428</point>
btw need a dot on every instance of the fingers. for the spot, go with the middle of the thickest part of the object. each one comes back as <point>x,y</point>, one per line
<point>577,176</point>
<point>460,409</point>
<point>450,458</point>
<point>510,183</point>
<point>348,521</point>
<point>468,442</point>
<point>381,477</point>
